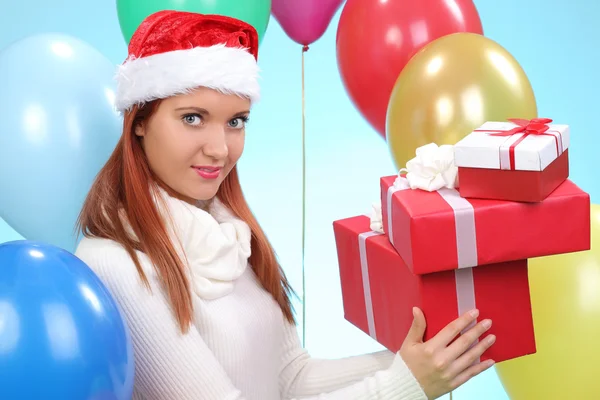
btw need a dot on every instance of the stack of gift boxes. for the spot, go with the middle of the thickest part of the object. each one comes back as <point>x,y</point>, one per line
<point>456,230</point>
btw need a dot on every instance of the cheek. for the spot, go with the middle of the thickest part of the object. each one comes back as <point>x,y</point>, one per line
<point>235,147</point>
<point>167,149</point>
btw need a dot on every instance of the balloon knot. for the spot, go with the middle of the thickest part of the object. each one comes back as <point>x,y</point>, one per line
<point>305,48</point>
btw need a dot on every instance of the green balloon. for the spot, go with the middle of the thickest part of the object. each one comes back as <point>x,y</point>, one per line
<point>254,12</point>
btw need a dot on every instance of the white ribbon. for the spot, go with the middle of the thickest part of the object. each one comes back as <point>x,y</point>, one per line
<point>466,246</point>
<point>400,183</point>
<point>464,220</point>
<point>466,240</point>
<point>364,269</point>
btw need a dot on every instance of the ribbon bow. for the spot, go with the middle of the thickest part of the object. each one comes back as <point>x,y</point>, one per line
<point>535,126</point>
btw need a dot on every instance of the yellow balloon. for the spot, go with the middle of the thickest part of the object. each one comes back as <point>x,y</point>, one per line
<point>565,297</point>
<point>450,87</point>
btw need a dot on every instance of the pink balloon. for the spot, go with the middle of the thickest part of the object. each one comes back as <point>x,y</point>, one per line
<point>304,21</point>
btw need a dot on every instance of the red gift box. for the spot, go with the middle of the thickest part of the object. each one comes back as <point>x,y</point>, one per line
<point>525,186</point>
<point>521,160</point>
<point>379,292</point>
<point>440,230</point>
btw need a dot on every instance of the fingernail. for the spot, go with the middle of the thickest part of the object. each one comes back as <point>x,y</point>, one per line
<point>491,339</point>
<point>474,313</point>
<point>487,324</point>
<point>489,363</point>
<point>414,312</point>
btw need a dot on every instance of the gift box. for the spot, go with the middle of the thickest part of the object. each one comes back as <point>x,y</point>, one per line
<point>440,230</point>
<point>521,160</point>
<point>379,292</point>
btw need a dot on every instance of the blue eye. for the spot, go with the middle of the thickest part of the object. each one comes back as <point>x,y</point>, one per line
<point>192,119</point>
<point>238,123</point>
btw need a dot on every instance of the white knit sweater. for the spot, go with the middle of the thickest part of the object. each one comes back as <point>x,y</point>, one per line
<point>240,346</point>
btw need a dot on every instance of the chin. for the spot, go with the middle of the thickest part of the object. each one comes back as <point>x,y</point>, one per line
<point>204,193</point>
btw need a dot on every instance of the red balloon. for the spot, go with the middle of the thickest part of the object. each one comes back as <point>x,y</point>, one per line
<point>376,38</point>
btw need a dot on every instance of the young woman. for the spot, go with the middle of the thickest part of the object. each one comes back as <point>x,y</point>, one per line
<point>168,231</point>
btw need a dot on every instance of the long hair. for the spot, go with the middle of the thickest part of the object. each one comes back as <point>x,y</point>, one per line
<point>123,185</point>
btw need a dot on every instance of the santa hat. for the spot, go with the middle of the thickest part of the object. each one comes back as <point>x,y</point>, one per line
<point>173,52</point>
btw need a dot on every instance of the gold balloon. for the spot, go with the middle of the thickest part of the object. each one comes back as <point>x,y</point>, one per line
<point>565,297</point>
<point>450,87</point>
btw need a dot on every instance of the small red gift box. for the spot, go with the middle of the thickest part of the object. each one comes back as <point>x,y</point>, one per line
<point>379,292</point>
<point>440,230</point>
<point>521,160</point>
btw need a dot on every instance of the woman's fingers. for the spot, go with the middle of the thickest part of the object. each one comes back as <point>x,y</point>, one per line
<point>467,339</point>
<point>453,329</point>
<point>470,372</point>
<point>417,329</point>
<point>466,362</point>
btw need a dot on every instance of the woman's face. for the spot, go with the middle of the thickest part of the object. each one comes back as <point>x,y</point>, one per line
<point>193,141</point>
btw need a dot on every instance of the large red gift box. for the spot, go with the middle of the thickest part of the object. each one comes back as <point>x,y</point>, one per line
<point>440,230</point>
<point>379,292</point>
<point>519,160</point>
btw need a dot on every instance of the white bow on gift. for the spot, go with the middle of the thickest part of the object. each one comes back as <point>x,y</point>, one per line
<point>432,169</point>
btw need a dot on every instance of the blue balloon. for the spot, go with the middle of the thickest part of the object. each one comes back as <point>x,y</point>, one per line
<point>95,22</point>
<point>58,127</point>
<point>62,335</point>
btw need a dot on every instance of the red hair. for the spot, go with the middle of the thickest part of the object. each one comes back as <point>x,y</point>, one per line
<point>124,185</point>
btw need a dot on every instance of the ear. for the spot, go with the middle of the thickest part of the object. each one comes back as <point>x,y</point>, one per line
<point>140,129</point>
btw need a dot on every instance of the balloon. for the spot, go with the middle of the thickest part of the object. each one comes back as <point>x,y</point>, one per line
<point>452,86</point>
<point>375,40</point>
<point>254,12</point>
<point>565,300</point>
<point>58,128</point>
<point>62,335</point>
<point>94,22</point>
<point>305,21</point>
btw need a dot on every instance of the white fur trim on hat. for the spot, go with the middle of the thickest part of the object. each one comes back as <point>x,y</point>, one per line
<point>226,69</point>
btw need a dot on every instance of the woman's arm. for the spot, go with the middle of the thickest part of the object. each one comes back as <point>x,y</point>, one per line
<point>169,364</point>
<point>381,375</point>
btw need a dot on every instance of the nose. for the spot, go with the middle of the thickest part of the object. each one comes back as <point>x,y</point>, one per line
<point>216,144</point>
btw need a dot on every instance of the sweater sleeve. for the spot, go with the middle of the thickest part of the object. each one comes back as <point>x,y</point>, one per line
<point>168,364</point>
<point>381,375</point>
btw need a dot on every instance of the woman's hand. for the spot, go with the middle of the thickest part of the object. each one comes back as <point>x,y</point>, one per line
<point>439,366</point>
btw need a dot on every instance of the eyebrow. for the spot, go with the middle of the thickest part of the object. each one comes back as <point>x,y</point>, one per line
<point>203,111</point>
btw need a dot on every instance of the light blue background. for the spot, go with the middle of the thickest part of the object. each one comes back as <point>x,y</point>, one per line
<point>555,42</point>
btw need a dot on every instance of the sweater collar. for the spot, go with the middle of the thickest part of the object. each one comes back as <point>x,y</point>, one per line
<point>214,243</point>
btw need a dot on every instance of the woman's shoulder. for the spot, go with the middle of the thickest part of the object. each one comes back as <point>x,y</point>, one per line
<point>109,260</point>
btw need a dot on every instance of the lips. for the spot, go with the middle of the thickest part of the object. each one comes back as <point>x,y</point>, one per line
<point>208,172</point>
<point>207,169</point>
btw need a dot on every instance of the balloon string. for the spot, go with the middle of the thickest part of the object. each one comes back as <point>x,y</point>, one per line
<point>450,395</point>
<point>304,49</point>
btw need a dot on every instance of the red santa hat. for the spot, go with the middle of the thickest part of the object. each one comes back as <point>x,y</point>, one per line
<point>173,52</point>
